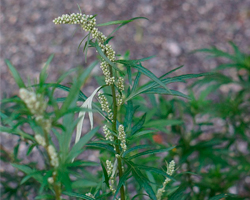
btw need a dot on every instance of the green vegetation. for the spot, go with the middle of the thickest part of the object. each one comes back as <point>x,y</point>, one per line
<point>153,142</point>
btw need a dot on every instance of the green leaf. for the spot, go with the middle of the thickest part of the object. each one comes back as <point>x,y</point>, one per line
<point>15,74</point>
<point>99,50</point>
<point>155,170</point>
<point>81,42</point>
<point>122,181</point>
<point>163,91</point>
<point>218,197</point>
<point>143,70</point>
<point>34,175</point>
<point>143,182</point>
<point>123,24</point>
<point>16,131</point>
<point>136,82</point>
<point>23,168</point>
<point>74,91</point>
<point>149,152</point>
<point>45,196</point>
<point>100,145</point>
<point>153,85</point>
<point>43,74</point>
<point>141,133</point>
<point>129,114</point>
<point>138,125</point>
<point>82,196</point>
<point>136,148</point>
<point>77,148</point>
<point>30,172</point>
<point>120,21</point>
<point>87,46</point>
<point>83,183</point>
<point>106,178</point>
<point>163,122</point>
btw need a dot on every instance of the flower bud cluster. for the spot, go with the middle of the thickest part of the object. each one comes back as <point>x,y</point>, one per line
<point>53,156</point>
<point>105,69</point>
<point>90,195</point>
<point>108,134</point>
<point>109,167</point>
<point>34,102</point>
<point>45,123</point>
<point>119,99</point>
<point>105,105</point>
<point>120,83</point>
<point>170,171</point>
<point>122,137</point>
<point>87,22</point>
<point>51,180</point>
<point>36,106</point>
<point>40,140</point>
<point>110,52</point>
<point>111,185</point>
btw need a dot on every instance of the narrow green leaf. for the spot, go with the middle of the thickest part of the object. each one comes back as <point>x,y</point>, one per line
<point>136,148</point>
<point>155,170</point>
<point>219,197</point>
<point>105,174</point>
<point>87,46</point>
<point>83,183</point>
<point>16,132</point>
<point>164,92</point>
<point>74,91</point>
<point>76,149</point>
<point>122,181</point>
<point>149,152</point>
<point>143,182</point>
<point>120,21</point>
<point>136,82</point>
<point>143,70</point>
<point>99,50</point>
<point>15,74</point>
<point>138,125</point>
<point>82,196</point>
<point>43,74</point>
<point>45,196</point>
<point>100,145</point>
<point>82,42</point>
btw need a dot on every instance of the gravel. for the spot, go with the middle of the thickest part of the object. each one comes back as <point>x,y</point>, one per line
<point>174,29</point>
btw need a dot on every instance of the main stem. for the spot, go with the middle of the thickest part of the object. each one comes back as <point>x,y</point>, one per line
<point>117,148</point>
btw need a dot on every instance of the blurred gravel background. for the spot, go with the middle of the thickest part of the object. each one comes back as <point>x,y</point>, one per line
<point>175,28</point>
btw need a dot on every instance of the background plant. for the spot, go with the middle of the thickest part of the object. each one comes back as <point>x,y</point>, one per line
<point>212,128</point>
